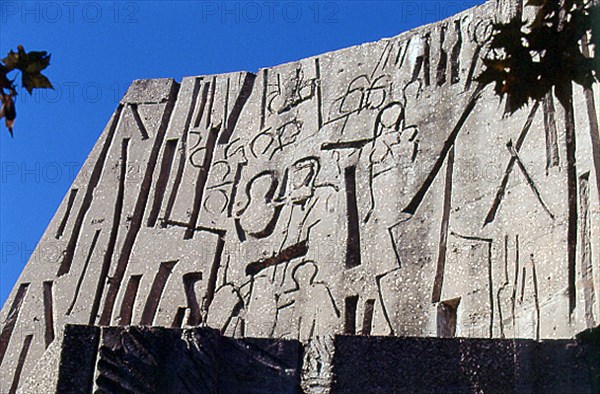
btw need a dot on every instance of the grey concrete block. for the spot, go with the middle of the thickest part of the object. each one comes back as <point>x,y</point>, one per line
<point>149,91</point>
<point>428,365</point>
<point>374,190</point>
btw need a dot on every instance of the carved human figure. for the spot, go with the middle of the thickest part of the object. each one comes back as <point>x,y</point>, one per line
<point>313,308</point>
<point>395,139</point>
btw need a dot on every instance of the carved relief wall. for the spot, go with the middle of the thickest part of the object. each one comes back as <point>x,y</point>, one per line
<point>375,190</point>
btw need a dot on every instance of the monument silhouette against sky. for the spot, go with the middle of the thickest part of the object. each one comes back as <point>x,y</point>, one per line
<point>376,190</point>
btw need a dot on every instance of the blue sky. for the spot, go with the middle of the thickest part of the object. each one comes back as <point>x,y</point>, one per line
<point>99,47</point>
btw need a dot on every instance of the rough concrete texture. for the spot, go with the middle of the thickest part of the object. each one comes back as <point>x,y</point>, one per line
<point>200,360</point>
<point>374,190</point>
<point>453,365</point>
<point>160,360</point>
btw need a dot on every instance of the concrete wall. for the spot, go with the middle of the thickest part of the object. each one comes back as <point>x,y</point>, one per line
<point>373,190</point>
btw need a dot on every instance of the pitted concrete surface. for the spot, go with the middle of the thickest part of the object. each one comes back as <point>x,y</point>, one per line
<point>373,190</point>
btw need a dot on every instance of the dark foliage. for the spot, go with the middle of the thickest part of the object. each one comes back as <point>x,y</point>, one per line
<point>526,61</point>
<point>30,65</point>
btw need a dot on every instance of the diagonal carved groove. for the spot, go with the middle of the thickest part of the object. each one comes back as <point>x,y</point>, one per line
<point>263,99</point>
<point>203,101</point>
<point>48,313</point>
<point>65,265</point>
<point>155,294</point>
<point>163,179</point>
<point>63,222</point>
<point>20,364</point>
<point>291,252</point>
<point>244,94</point>
<point>443,62</point>
<point>11,319</point>
<point>414,204</point>
<point>530,181</point>
<point>138,121</point>
<point>211,103</point>
<point>502,189</point>
<point>319,94</point>
<point>83,274</point>
<point>211,286</point>
<point>129,300</point>
<point>138,214</point>
<point>353,257</point>
<point>114,233</point>
<point>585,234</point>
<point>455,55</point>
<point>564,93</point>
<point>183,148</point>
<point>593,117</point>
<point>423,62</point>
<point>536,298</point>
<point>201,180</point>
<point>552,158</point>
<point>443,242</point>
<point>234,188</point>
<point>178,319</point>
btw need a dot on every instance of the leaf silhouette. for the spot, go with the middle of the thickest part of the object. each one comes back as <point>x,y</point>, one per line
<point>35,81</point>
<point>8,111</point>
<point>30,64</point>
<point>526,62</point>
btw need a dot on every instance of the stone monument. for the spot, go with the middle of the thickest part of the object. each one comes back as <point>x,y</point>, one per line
<point>376,190</point>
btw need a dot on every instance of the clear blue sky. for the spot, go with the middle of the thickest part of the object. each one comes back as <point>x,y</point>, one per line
<point>99,47</point>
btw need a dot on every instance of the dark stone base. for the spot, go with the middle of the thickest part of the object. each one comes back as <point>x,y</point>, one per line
<point>165,360</point>
<point>200,360</point>
<point>457,365</point>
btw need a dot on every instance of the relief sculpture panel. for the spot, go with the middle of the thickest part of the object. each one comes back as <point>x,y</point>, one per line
<point>375,190</point>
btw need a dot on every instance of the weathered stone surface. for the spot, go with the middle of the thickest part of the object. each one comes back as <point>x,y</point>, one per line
<point>374,190</point>
<point>161,360</point>
<point>317,366</point>
<point>409,365</point>
<point>200,360</point>
<point>77,359</point>
<point>44,376</point>
<point>149,91</point>
<point>68,364</point>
